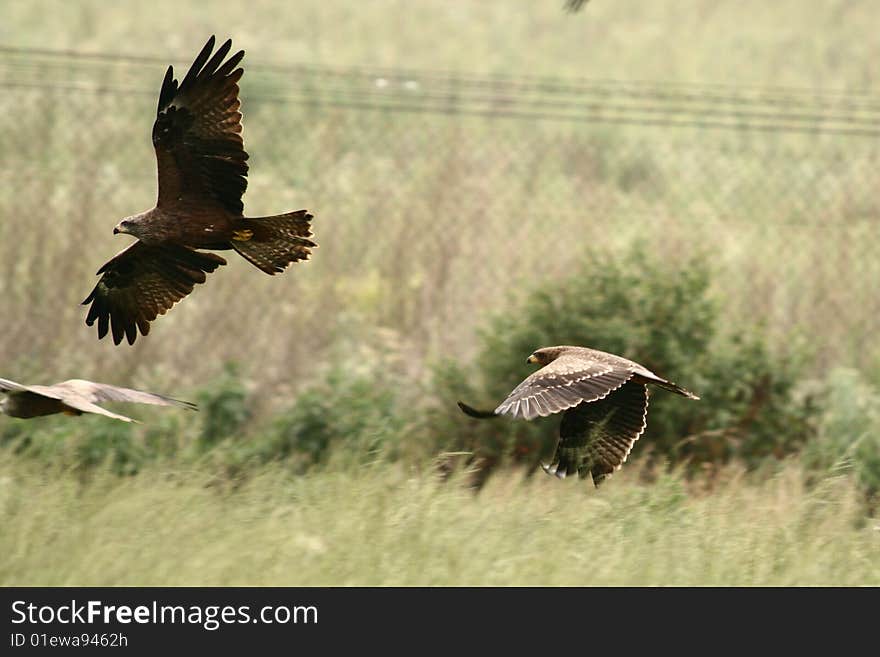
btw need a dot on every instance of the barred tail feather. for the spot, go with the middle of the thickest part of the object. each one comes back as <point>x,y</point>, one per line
<point>273,243</point>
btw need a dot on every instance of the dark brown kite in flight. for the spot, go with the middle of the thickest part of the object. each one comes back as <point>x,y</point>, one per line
<point>74,397</point>
<point>604,400</point>
<point>202,176</point>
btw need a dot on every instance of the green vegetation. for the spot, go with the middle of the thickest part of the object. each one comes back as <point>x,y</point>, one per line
<point>659,314</point>
<point>382,524</point>
<point>368,404</point>
<point>848,439</point>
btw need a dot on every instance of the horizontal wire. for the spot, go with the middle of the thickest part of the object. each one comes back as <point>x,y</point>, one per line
<point>490,78</point>
<point>446,99</point>
<point>455,110</point>
<point>550,85</point>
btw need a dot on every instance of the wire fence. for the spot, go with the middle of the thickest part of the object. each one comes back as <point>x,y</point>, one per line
<point>439,199</point>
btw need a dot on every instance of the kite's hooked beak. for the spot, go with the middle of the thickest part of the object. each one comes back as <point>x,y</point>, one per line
<point>532,359</point>
<point>128,226</point>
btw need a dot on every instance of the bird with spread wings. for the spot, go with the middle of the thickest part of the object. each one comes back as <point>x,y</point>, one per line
<point>202,168</point>
<point>603,399</point>
<point>74,397</point>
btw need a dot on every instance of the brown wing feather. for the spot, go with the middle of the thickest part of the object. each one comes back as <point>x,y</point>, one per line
<point>142,282</point>
<point>84,406</point>
<point>197,133</point>
<point>597,437</point>
<point>103,392</point>
<point>562,384</point>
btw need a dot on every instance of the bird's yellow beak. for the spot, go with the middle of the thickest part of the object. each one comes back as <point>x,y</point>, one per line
<point>532,359</point>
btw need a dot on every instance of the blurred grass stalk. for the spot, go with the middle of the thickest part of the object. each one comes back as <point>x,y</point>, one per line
<point>384,524</point>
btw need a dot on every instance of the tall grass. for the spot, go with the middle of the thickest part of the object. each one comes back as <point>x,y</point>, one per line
<point>385,525</point>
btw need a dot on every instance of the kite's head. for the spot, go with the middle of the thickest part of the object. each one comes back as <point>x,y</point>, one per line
<point>545,355</point>
<point>124,226</point>
<point>130,226</point>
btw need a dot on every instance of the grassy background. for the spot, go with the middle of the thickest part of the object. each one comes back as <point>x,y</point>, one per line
<point>383,525</point>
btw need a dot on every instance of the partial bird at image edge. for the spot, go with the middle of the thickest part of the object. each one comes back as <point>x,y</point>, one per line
<point>75,397</point>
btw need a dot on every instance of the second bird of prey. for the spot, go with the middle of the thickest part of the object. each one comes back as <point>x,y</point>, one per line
<point>202,169</point>
<point>74,397</point>
<point>603,399</point>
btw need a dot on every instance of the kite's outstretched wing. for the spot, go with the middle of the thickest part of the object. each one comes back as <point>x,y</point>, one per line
<point>87,407</point>
<point>83,396</point>
<point>197,133</point>
<point>597,437</point>
<point>11,386</point>
<point>8,386</point>
<point>102,392</point>
<point>562,384</point>
<point>142,282</point>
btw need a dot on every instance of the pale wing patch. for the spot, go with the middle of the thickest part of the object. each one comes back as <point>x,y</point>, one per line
<point>88,407</point>
<point>103,392</point>
<point>563,384</point>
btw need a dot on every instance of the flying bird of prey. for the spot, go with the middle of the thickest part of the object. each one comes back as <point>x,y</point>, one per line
<point>74,397</point>
<point>575,5</point>
<point>202,169</point>
<point>604,403</point>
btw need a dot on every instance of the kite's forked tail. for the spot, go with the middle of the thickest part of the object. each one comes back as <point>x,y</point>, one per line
<point>272,243</point>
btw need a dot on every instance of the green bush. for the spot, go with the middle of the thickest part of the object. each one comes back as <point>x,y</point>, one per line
<point>848,436</point>
<point>348,413</point>
<point>223,407</point>
<point>43,439</point>
<point>112,443</point>
<point>80,443</point>
<point>655,312</point>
